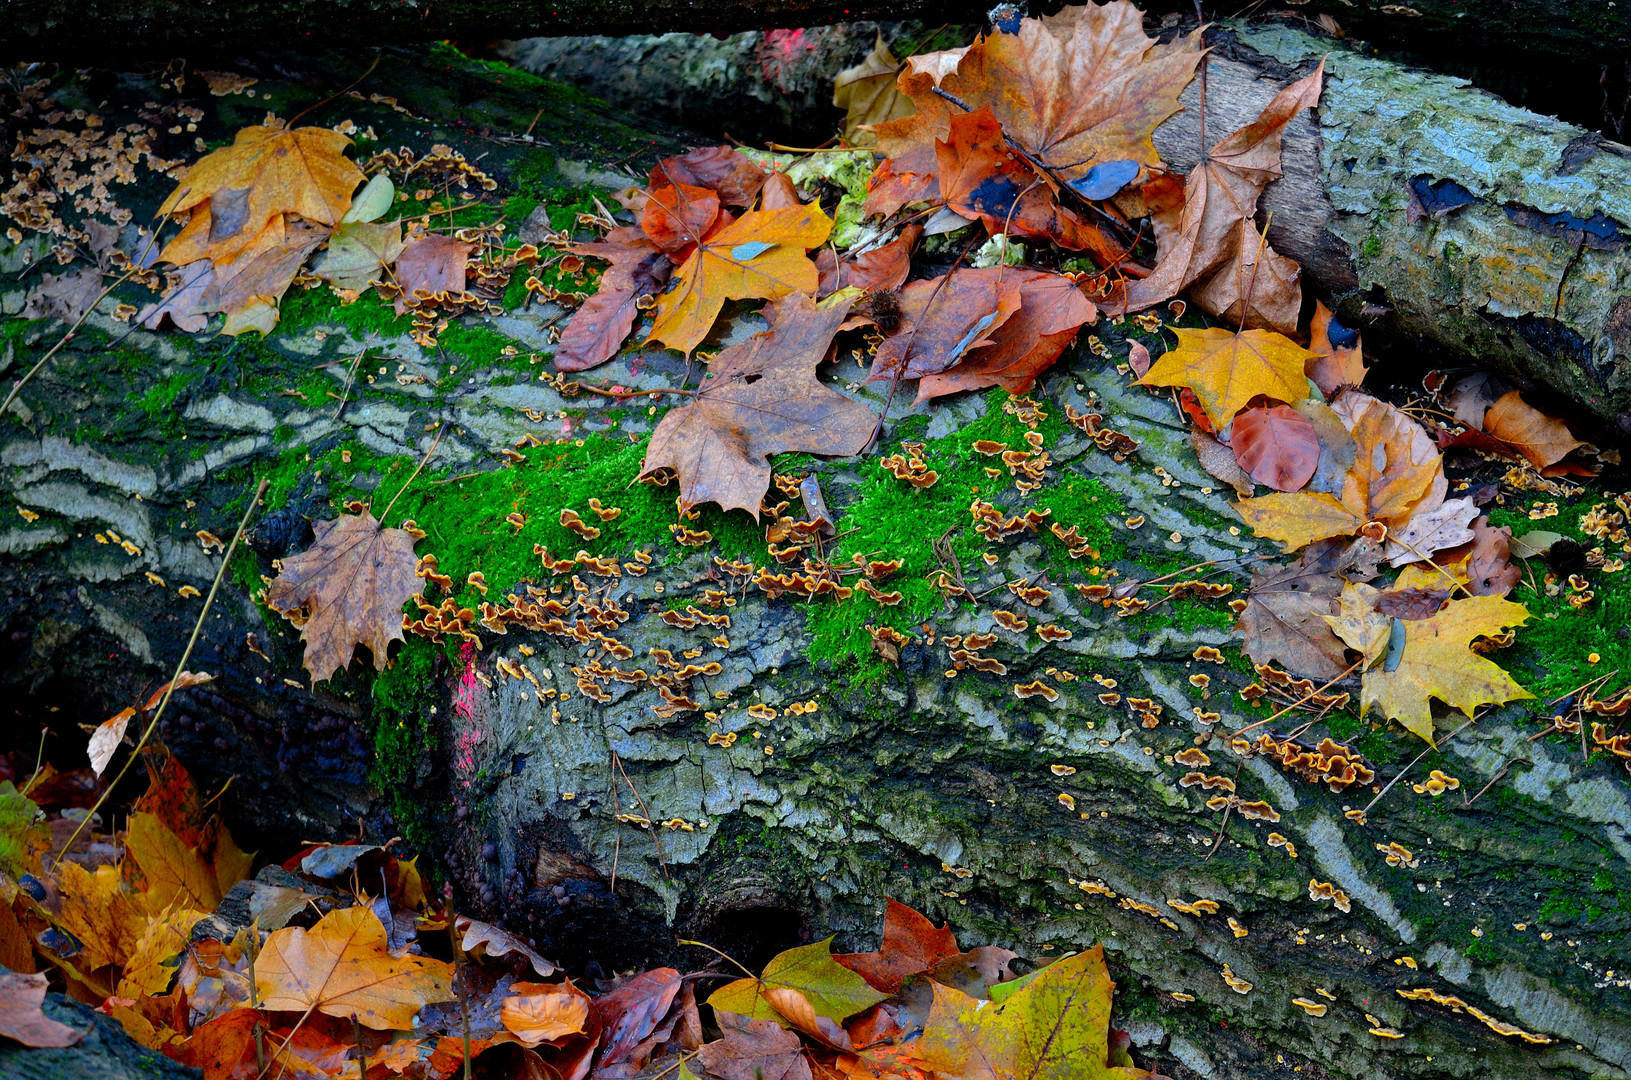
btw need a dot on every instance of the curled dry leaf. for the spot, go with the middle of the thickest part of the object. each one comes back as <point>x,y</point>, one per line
<point>1359,624</point>
<point>753,1049</point>
<point>1544,440</point>
<point>943,319</point>
<point>341,967</point>
<point>868,95</point>
<point>249,284</point>
<point>481,938</point>
<point>1051,310</point>
<point>629,1013</point>
<point>1277,446</point>
<point>22,1017</point>
<point>1429,531</point>
<point>762,398</point>
<point>544,1012</point>
<point>880,269</point>
<point>1333,366</point>
<point>350,585</point>
<point>64,297</point>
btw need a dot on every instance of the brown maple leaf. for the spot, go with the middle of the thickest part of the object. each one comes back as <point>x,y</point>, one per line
<point>754,1050</point>
<point>943,319</point>
<point>248,286</point>
<point>1208,241</point>
<point>596,330</point>
<point>911,945</point>
<point>1286,610</point>
<point>66,297</point>
<point>349,587</point>
<point>432,265</point>
<point>1051,311</point>
<point>761,397</point>
<point>720,169</point>
<point>882,268</point>
<point>868,95</point>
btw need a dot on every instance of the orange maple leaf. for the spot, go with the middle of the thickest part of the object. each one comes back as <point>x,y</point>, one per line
<point>759,255</point>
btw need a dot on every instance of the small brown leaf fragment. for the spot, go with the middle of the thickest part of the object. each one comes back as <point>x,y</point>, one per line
<point>1489,568</point>
<point>351,585</point>
<point>66,297</point>
<point>1332,368</point>
<point>1220,463</point>
<point>433,264</point>
<point>763,398</point>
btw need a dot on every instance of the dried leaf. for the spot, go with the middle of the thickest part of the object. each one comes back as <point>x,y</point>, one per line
<point>357,252</point>
<point>1051,310</point>
<point>880,269</point>
<point>720,169</point>
<point>1227,369</point>
<point>1332,367</point>
<point>100,912</point>
<point>762,398</point>
<point>911,945</point>
<point>106,738</point>
<point>341,967</point>
<point>1208,234</point>
<point>678,216</point>
<point>1286,610</point>
<point>1219,462</point>
<point>754,1050</point>
<point>151,967</point>
<point>597,329</point>
<point>351,584</point>
<point>761,254</point>
<point>1446,526</point>
<point>943,319</point>
<point>486,939</point>
<point>64,297</point>
<point>544,1012</point>
<point>249,285</point>
<point>868,95</point>
<point>833,990</point>
<point>432,265</point>
<point>267,172</point>
<point>1544,440</point>
<point>22,1018</point>
<point>1471,397</point>
<point>176,873</point>
<point>1438,662</point>
<point>629,1013</point>
<point>188,303</point>
<point>1489,567</point>
<point>1277,446</point>
<point>1359,624</point>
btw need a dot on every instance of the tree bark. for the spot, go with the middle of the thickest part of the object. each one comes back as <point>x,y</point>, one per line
<point>937,791</point>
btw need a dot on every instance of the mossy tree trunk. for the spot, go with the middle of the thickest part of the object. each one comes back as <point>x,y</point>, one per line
<point>951,793</point>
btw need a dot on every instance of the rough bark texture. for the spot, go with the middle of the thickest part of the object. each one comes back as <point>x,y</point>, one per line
<point>902,782</point>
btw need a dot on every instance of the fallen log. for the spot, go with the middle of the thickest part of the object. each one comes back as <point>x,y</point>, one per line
<point>1026,808</point>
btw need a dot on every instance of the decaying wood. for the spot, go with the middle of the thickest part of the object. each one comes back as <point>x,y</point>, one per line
<point>937,791</point>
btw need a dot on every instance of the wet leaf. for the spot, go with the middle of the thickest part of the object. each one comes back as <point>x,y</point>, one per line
<point>1055,1028</point>
<point>1544,440</point>
<point>350,585</point>
<point>713,273</point>
<point>630,1013</point>
<point>834,991</point>
<point>1277,446</point>
<point>1051,310</point>
<point>1332,367</point>
<point>1438,662</point>
<point>944,319</point>
<point>753,1049</point>
<point>911,946</point>
<point>340,967</point>
<point>1227,369</point>
<point>21,1017</point>
<point>237,191</point>
<point>597,329</point>
<point>762,397</point>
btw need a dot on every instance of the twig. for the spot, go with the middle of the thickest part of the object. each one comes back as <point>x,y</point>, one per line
<point>718,952</point>
<point>181,665</point>
<point>351,375</point>
<point>438,441</point>
<point>1466,803</point>
<point>66,338</point>
<point>651,822</point>
<point>1401,773</point>
<point>1306,697</point>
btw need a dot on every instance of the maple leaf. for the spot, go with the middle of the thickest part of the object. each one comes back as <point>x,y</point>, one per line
<point>23,1018</point>
<point>908,174</point>
<point>833,990</point>
<point>911,945</point>
<point>1446,526</point>
<point>1227,369</point>
<point>1333,367</point>
<point>100,912</point>
<point>248,285</point>
<point>880,269</point>
<point>735,178</point>
<point>1051,310</point>
<point>596,330</point>
<point>237,191</point>
<point>762,397</point>
<point>1359,624</point>
<point>431,265</point>
<point>754,1049</point>
<point>1056,1027</point>
<point>149,970</point>
<point>176,873</point>
<point>1439,662</point>
<point>341,967</point>
<point>350,585</point>
<point>66,297</point>
<point>943,319</point>
<point>1277,446</point>
<point>868,95</point>
<point>1209,234</point>
<point>1489,560</point>
<point>1544,440</point>
<point>1286,609</point>
<point>677,216</point>
<point>186,303</point>
<point>1396,473</point>
<point>759,255</point>
<point>544,1012</point>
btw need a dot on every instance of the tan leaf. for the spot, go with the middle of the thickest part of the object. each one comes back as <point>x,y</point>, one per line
<point>868,95</point>
<point>351,585</point>
<point>432,265</point>
<point>1428,531</point>
<point>1332,368</point>
<point>1359,624</point>
<point>544,1012</point>
<point>1219,461</point>
<point>1544,440</point>
<point>481,938</point>
<point>21,1017</point>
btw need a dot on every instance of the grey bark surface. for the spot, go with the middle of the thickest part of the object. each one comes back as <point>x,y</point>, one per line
<point>938,792</point>
<point>105,1053</point>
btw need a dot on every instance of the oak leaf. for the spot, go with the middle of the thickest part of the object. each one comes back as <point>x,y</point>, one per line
<point>1333,366</point>
<point>833,990</point>
<point>762,397</point>
<point>1051,310</point>
<point>240,189</point>
<point>341,967</point>
<point>943,319</point>
<point>596,330</point>
<point>1544,440</point>
<point>1277,446</point>
<point>350,585</point>
<point>23,1019</point>
<point>1056,1027</point>
<point>431,265</point>
<point>1209,234</point>
<point>911,945</point>
<point>759,255</point>
<point>1439,662</point>
<point>1227,369</point>
<point>868,95</point>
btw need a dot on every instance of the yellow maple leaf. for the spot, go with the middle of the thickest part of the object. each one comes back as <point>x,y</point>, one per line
<point>1438,662</point>
<point>759,255</point>
<point>175,872</point>
<point>101,913</point>
<point>148,972</point>
<point>341,967</point>
<point>1228,369</point>
<point>236,191</point>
